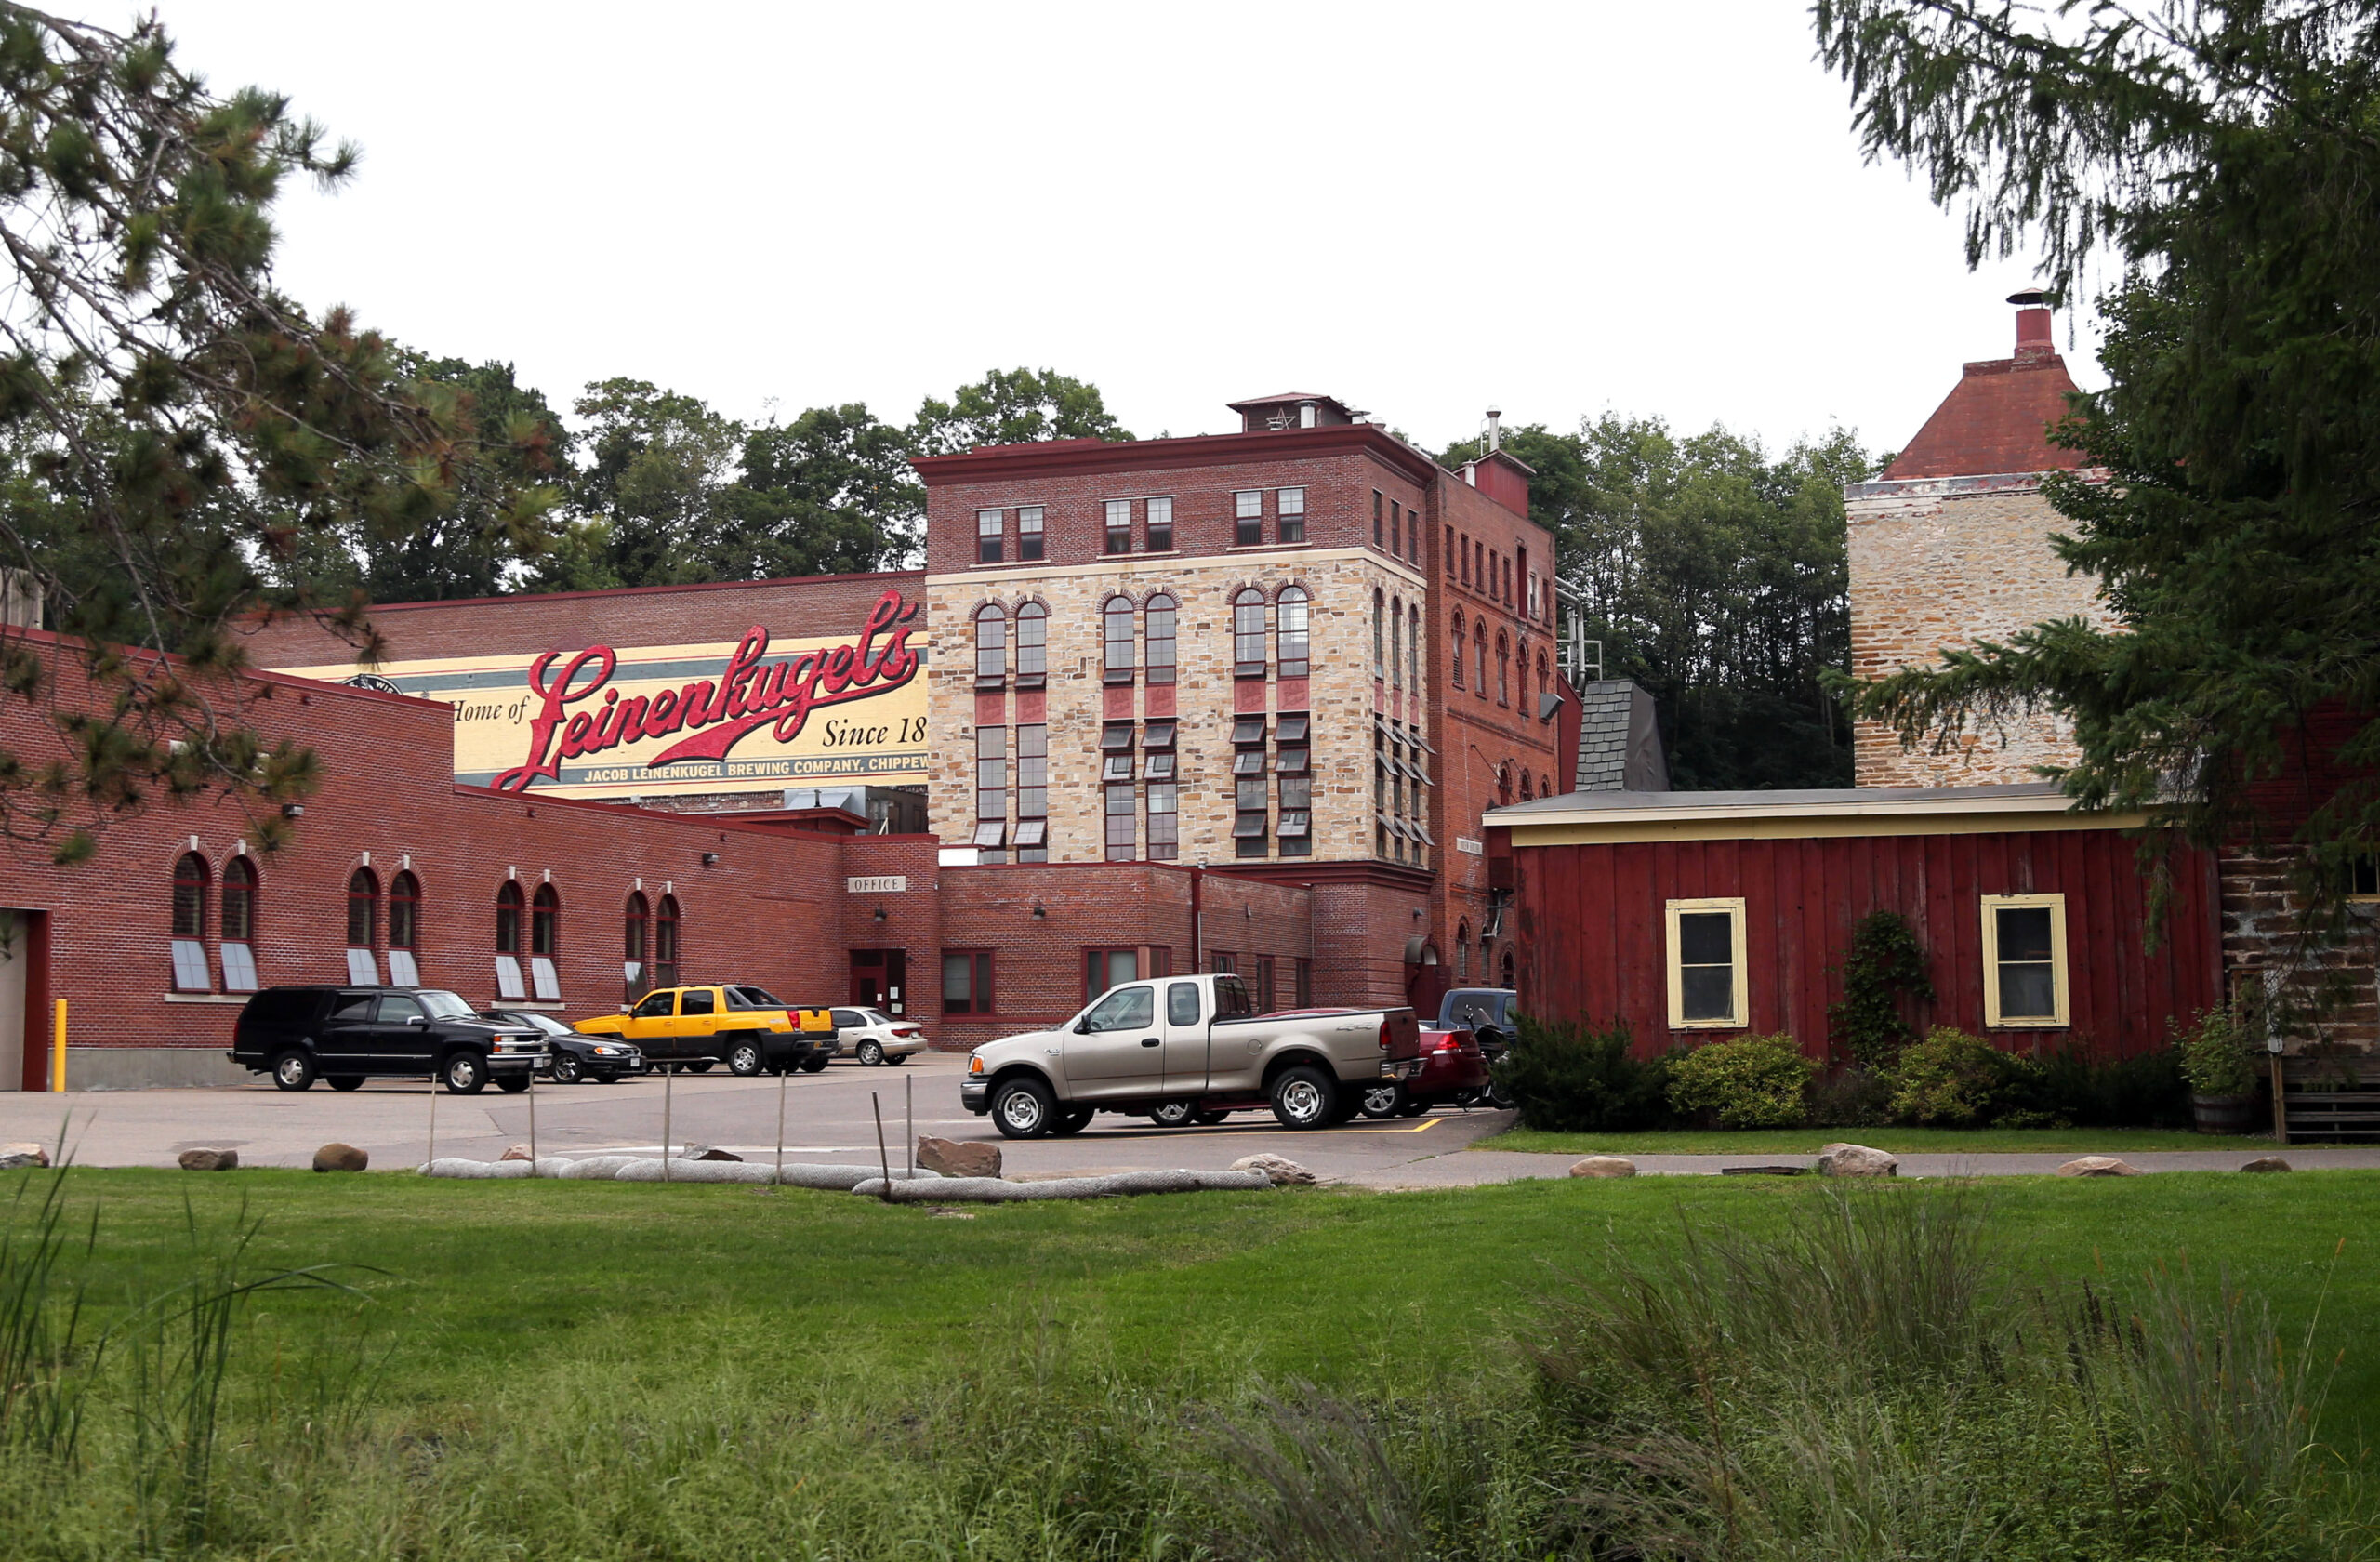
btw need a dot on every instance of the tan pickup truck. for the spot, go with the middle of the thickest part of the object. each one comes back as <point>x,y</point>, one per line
<point>1178,1049</point>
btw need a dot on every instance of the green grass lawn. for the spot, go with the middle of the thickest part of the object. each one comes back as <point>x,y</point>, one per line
<point>1899,1141</point>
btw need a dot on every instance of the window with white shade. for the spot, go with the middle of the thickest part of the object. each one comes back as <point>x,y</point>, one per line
<point>990,527</point>
<point>2024,961</point>
<point>1120,527</point>
<point>1706,965</point>
<point>189,924</point>
<point>1247,517</point>
<point>1030,533</point>
<point>1289,510</point>
<point>1160,525</point>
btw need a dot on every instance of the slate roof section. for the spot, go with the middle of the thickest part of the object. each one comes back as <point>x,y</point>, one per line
<point>1995,419</point>
<point>1620,742</point>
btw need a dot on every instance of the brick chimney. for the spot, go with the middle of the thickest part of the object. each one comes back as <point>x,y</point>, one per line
<point>2033,342</point>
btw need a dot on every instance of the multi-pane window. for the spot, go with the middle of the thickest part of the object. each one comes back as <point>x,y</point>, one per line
<point>1395,528</point>
<point>1395,642</point>
<point>1160,647</point>
<point>1250,814</point>
<point>990,527</point>
<point>636,932</point>
<point>1466,558</point>
<point>404,930</point>
<point>1456,660</point>
<point>1706,964</point>
<point>1104,969</point>
<point>1160,525</point>
<point>1294,619</point>
<point>1248,633</point>
<point>1122,828</point>
<point>1294,762</point>
<point>363,909</point>
<point>1164,808</point>
<point>239,926</point>
<point>1378,504</point>
<point>1379,667</point>
<point>991,792</point>
<point>966,982</point>
<point>1413,648</point>
<point>665,924</point>
<point>1503,672</point>
<point>545,944</point>
<point>1115,752</point>
<point>991,647</point>
<point>1288,510</point>
<point>1033,793</point>
<point>1120,527</point>
<point>1029,532</point>
<point>189,924</point>
<point>1116,619</point>
<point>1247,517</point>
<point>1479,653</point>
<point>1032,645</point>
<point>2024,961</point>
<point>507,919</point>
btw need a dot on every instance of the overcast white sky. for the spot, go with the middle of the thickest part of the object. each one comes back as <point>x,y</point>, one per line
<point>1424,210</point>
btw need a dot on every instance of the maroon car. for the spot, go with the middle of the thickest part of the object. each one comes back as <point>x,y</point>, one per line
<point>1451,1065</point>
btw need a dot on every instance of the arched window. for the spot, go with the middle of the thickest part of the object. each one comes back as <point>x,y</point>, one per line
<point>1504,782</point>
<point>1529,789</point>
<point>664,944</point>
<point>1116,618</point>
<point>1413,649</point>
<point>545,943</point>
<point>1032,643</point>
<point>1396,643</point>
<point>1503,671</point>
<point>1544,683</point>
<point>508,943</point>
<point>991,644</point>
<point>636,930</point>
<point>1508,966</point>
<point>363,928</point>
<point>1294,632</point>
<point>189,924</point>
<point>1248,633</point>
<point>404,930</point>
<point>1461,952</point>
<point>239,926</point>
<point>1160,648</point>
<point>1379,669</point>
<point>1456,638</point>
<point>1479,653</point>
<point>1544,785</point>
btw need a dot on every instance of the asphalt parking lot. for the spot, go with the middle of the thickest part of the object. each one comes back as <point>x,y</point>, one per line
<point>829,1115</point>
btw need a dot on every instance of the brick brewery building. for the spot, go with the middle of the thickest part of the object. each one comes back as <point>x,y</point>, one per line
<point>1694,916</point>
<point>1230,702</point>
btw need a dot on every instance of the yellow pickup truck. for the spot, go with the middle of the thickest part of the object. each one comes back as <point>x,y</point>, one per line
<point>746,1027</point>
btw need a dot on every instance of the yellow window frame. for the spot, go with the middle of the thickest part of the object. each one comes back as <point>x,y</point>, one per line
<point>2059,971</point>
<point>1739,1004</point>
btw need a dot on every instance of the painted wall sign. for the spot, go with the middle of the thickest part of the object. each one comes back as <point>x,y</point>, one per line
<point>662,720</point>
<point>891,883</point>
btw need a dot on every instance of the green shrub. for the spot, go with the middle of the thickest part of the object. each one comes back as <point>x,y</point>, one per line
<point>1570,1079</point>
<point>1750,1081</point>
<point>2215,1056</point>
<point>1951,1079</point>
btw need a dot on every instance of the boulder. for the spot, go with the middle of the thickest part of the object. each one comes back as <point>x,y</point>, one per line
<point>2097,1166</point>
<point>1857,1160</point>
<point>516,1152</point>
<point>340,1158</point>
<point>958,1157</point>
<point>210,1160</point>
<point>1278,1169</point>
<point>2267,1163</point>
<point>26,1154</point>
<point>1603,1166</point>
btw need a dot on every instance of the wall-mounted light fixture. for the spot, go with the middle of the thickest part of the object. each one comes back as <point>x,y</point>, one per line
<point>293,809</point>
<point>879,913</point>
<point>710,859</point>
<point>1037,911</point>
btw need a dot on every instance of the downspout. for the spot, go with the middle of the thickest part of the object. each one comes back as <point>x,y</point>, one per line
<point>1197,920</point>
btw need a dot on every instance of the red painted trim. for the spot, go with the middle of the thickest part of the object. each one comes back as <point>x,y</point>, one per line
<point>1061,458</point>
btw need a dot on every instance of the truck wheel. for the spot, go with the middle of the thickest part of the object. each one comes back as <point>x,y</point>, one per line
<point>1023,1110</point>
<point>293,1070</point>
<point>1305,1097</point>
<point>744,1059</point>
<point>1382,1100</point>
<point>1071,1121</point>
<point>1174,1114</point>
<point>466,1073</point>
<point>871,1052</point>
<point>814,1063</point>
<point>348,1082</point>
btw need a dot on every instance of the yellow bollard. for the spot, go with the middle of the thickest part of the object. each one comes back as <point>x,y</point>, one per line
<point>57,1051</point>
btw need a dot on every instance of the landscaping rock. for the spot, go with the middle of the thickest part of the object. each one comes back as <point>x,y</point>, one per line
<point>1277,1168</point>
<point>1603,1166</point>
<point>2268,1163</point>
<point>210,1160</point>
<point>1857,1160</point>
<point>516,1152</point>
<point>340,1158</point>
<point>27,1154</point>
<point>710,1152</point>
<point>2097,1166</point>
<point>954,1158</point>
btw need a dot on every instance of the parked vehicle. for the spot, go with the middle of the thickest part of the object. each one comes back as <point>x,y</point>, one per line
<point>1184,1046</point>
<point>574,1057</point>
<point>1489,1015</point>
<point>1453,1068</point>
<point>746,1027</point>
<point>347,1034</point>
<point>872,1036</point>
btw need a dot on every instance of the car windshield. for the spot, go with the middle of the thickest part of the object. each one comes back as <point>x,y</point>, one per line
<point>546,1022</point>
<point>444,1005</point>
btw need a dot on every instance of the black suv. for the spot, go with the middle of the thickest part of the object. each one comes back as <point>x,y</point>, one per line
<point>347,1035</point>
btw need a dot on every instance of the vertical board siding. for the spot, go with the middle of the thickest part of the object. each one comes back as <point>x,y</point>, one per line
<point>1597,946</point>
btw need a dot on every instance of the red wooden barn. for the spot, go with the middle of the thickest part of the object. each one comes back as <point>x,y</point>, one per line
<point>1694,916</point>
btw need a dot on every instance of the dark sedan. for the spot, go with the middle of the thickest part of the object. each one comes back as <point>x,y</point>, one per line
<point>575,1057</point>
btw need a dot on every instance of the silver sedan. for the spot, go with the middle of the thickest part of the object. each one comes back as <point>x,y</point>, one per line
<point>873,1036</point>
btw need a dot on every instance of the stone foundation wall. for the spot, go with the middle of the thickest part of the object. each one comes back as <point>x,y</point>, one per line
<point>2330,990</point>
